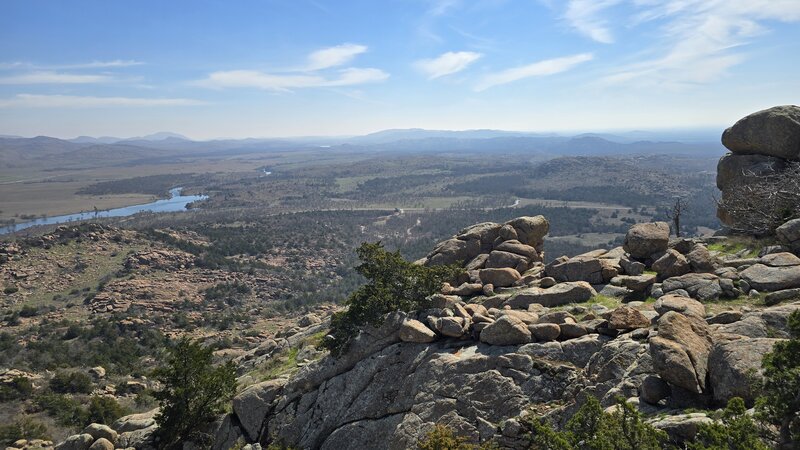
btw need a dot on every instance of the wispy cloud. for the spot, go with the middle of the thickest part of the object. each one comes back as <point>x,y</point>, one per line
<point>334,56</point>
<point>537,69</point>
<point>446,64</point>
<point>49,77</point>
<point>287,82</point>
<point>71,101</point>
<point>308,77</point>
<point>585,16</point>
<point>117,63</point>
<point>696,41</point>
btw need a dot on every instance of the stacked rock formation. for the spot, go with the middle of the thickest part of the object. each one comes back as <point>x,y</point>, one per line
<point>764,146</point>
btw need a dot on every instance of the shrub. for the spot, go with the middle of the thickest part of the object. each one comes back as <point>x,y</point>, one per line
<point>194,392</point>
<point>443,438</point>
<point>8,290</point>
<point>71,383</point>
<point>393,284</point>
<point>29,311</point>
<point>591,428</point>
<point>24,428</point>
<point>736,431</point>
<point>66,410</point>
<point>19,387</point>
<point>105,410</point>
<point>780,404</point>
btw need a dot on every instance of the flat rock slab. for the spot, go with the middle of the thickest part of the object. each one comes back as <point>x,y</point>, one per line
<point>766,278</point>
<point>560,294</point>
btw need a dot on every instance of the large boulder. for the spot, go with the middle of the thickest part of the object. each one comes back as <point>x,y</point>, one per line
<point>76,442</point>
<point>702,286</point>
<point>671,264</point>
<point>734,368</point>
<point>416,331</point>
<point>97,431</point>
<point>579,268</point>
<point>454,251</point>
<point>789,234</point>
<point>499,259</point>
<point>645,239</point>
<point>627,318</point>
<point>499,277</point>
<point>506,330</point>
<point>680,351</point>
<point>517,247</point>
<point>737,170</point>
<point>684,305</point>
<point>530,230</point>
<point>681,427</point>
<point>636,283</point>
<point>767,279</point>
<point>772,132</point>
<point>560,294</point>
<point>485,233</point>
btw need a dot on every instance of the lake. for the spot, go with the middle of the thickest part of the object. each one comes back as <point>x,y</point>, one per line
<point>175,202</point>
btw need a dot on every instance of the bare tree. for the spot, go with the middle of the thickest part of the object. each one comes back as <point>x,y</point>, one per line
<point>758,204</point>
<point>674,214</point>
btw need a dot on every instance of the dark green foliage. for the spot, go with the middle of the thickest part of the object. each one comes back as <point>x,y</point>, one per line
<point>541,435</point>
<point>24,428</point>
<point>102,342</point>
<point>64,382</point>
<point>591,428</point>
<point>393,284</point>
<point>105,410</point>
<point>194,393</point>
<point>18,388</point>
<point>66,410</point>
<point>8,290</point>
<point>443,438</point>
<point>780,404</point>
<point>736,431</point>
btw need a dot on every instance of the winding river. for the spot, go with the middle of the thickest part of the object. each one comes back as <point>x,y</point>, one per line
<point>175,202</point>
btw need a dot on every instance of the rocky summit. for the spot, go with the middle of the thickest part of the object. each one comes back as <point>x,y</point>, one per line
<point>517,338</point>
<point>674,326</point>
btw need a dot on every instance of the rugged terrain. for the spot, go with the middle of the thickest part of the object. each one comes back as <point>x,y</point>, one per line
<point>677,326</point>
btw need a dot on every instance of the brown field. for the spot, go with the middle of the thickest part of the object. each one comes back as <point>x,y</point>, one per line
<point>53,192</point>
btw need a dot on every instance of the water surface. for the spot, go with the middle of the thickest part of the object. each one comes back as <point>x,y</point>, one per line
<point>175,202</point>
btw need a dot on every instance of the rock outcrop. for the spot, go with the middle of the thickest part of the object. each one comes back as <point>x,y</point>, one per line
<point>765,145</point>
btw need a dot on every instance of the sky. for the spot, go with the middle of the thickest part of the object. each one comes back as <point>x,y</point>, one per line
<point>271,68</point>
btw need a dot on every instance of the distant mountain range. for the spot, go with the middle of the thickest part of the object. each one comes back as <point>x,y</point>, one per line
<point>85,151</point>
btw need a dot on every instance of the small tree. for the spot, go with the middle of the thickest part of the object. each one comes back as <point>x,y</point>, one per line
<point>780,404</point>
<point>736,431</point>
<point>194,393</point>
<point>675,212</point>
<point>393,284</point>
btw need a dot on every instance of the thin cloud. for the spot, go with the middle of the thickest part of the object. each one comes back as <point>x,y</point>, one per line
<point>71,101</point>
<point>537,69</point>
<point>287,82</point>
<point>307,77</point>
<point>334,56</point>
<point>117,63</point>
<point>697,41</point>
<point>446,64</point>
<point>585,16</point>
<point>49,77</point>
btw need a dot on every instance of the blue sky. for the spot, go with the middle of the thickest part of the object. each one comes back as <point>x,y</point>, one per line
<point>231,68</point>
